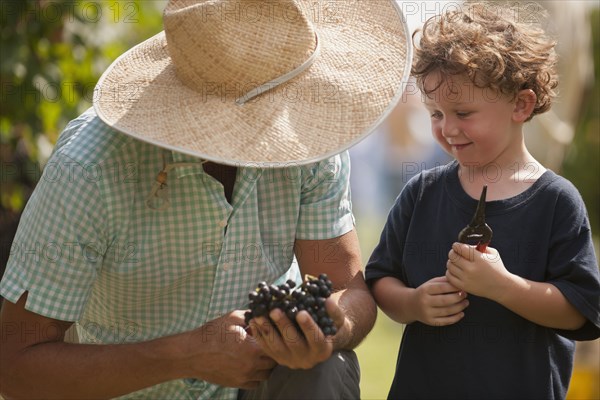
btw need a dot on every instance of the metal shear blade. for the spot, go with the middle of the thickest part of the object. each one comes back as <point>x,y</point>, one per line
<point>477,231</point>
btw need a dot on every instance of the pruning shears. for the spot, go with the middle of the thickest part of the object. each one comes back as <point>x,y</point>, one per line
<point>477,231</point>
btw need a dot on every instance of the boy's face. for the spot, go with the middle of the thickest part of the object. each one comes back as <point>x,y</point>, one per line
<point>474,125</point>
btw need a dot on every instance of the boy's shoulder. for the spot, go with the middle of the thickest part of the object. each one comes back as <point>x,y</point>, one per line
<point>428,182</point>
<point>560,194</point>
<point>553,186</point>
<point>431,177</point>
<point>439,172</point>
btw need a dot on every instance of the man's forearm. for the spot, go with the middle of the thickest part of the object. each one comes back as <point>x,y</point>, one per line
<point>340,259</point>
<point>361,312</point>
<point>66,370</point>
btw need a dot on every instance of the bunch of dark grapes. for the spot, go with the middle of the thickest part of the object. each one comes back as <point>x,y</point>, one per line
<point>309,296</point>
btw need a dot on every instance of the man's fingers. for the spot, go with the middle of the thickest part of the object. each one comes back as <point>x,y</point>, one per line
<point>265,363</point>
<point>335,313</point>
<point>291,336</point>
<point>265,333</point>
<point>312,332</point>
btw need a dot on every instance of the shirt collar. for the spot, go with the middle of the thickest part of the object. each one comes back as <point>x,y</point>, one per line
<point>194,169</point>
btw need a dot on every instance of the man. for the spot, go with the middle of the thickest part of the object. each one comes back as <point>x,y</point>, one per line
<point>212,157</point>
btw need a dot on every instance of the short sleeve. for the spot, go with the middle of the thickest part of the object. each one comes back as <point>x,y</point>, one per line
<point>59,243</point>
<point>386,259</point>
<point>325,206</point>
<point>572,263</point>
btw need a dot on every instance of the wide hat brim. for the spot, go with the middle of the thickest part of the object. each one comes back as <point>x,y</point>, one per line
<point>357,79</point>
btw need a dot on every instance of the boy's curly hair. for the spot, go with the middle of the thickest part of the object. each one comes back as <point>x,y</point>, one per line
<point>493,50</point>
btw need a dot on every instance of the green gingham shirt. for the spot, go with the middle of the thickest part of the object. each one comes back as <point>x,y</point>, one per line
<point>89,249</point>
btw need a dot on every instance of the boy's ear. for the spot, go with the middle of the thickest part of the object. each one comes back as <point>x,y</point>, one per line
<point>524,105</point>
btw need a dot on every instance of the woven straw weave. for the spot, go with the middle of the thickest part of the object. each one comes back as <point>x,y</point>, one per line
<point>178,89</point>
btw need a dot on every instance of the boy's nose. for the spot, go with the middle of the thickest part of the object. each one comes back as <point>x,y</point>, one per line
<point>449,128</point>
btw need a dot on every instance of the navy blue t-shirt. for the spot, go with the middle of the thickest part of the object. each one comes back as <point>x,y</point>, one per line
<point>542,234</point>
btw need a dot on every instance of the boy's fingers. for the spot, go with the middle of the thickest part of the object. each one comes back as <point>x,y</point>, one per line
<point>462,250</point>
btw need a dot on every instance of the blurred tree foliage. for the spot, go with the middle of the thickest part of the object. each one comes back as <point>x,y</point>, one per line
<point>582,164</point>
<point>51,56</point>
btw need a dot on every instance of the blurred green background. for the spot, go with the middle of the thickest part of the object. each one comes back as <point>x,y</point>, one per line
<point>53,52</point>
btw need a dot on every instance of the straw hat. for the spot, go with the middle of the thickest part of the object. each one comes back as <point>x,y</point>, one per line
<point>260,83</point>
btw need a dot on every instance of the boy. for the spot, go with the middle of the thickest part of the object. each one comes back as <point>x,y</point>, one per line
<point>536,288</point>
<point>227,179</point>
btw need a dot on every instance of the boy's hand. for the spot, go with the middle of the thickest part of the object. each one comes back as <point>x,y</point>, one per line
<point>477,273</point>
<point>437,302</point>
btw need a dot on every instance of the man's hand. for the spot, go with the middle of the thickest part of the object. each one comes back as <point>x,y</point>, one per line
<point>437,302</point>
<point>33,350</point>
<point>222,352</point>
<point>351,306</point>
<point>297,349</point>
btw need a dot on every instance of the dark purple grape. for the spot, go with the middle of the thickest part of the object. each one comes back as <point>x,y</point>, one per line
<point>291,299</point>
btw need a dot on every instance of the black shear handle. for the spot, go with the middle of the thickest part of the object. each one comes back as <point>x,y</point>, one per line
<point>478,231</point>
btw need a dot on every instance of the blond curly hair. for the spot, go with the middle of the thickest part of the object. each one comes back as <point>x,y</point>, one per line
<point>495,51</point>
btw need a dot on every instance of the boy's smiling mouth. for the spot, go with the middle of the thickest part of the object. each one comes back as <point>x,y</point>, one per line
<point>459,147</point>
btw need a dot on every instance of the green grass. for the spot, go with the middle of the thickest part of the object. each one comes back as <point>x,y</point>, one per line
<point>377,356</point>
<point>378,352</point>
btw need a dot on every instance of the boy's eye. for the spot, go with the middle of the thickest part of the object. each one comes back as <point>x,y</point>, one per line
<point>436,115</point>
<point>462,114</point>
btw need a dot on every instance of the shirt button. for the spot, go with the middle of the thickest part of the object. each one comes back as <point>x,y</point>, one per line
<point>225,267</point>
<point>223,223</point>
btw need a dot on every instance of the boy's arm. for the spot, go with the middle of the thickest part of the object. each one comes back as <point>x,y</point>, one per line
<point>35,362</point>
<point>539,302</point>
<point>395,299</point>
